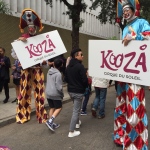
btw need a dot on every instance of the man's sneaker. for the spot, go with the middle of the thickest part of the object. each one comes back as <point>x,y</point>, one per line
<point>50,126</point>
<point>93,112</point>
<point>55,126</point>
<point>73,134</point>
<point>83,113</point>
<point>78,125</point>
<point>101,117</point>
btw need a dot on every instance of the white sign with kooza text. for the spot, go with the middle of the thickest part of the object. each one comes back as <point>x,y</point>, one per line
<point>39,48</point>
<point>110,59</point>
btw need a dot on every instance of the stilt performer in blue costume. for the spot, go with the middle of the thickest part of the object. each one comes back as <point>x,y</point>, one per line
<point>130,119</point>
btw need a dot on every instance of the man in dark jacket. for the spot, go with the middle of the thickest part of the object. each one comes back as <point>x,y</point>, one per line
<point>4,73</point>
<point>77,83</point>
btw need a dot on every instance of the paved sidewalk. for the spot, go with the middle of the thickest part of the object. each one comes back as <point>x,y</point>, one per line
<point>8,110</point>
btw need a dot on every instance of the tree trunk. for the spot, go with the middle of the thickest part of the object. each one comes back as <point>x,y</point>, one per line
<point>75,23</point>
<point>75,32</point>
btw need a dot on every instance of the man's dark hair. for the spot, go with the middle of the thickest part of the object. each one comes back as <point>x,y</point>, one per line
<point>74,52</point>
<point>58,63</point>
<point>3,49</point>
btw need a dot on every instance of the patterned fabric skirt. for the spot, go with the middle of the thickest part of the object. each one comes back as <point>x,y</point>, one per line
<point>130,119</point>
<point>31,78</point>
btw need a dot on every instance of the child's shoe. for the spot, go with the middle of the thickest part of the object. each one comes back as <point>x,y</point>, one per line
<point>50,126</point>
<point>55,126</point>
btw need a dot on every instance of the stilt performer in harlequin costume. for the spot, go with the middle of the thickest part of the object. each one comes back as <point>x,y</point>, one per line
<point>31,77</point>
<point>131,123</point>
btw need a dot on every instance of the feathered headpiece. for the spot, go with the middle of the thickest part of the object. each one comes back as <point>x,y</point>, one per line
<point>121,4</point>
<point>29,17</point>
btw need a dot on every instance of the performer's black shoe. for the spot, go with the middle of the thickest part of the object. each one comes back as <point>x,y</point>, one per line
<point>14,100</point>
<point>118,145</point>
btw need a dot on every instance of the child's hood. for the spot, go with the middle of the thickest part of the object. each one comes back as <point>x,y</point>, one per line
<point>52,71</point>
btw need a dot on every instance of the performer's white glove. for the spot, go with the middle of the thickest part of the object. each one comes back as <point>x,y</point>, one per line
<point>129,37</point>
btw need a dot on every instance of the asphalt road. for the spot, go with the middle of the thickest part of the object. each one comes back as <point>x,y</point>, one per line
<point>96,134</point>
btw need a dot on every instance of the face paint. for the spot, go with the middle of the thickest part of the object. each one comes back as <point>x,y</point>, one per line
<point>32,29</point>
<point>127,13</point>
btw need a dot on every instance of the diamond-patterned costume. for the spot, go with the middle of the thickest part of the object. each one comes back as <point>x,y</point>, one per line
<point>130,119</point>
<point>31,77</point>
<point>130,125</point>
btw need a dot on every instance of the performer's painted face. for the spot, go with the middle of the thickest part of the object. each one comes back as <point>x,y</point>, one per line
<point>32,29</point>
<point>128,13</point>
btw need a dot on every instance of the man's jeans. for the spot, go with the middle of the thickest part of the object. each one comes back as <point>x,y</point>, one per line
<point>100,100</point>
<point>85,102</point>
<point>77,102</point>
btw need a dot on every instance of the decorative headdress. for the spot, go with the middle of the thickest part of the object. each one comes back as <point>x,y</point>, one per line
<point>29,17</point>
<point>121,4</point>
